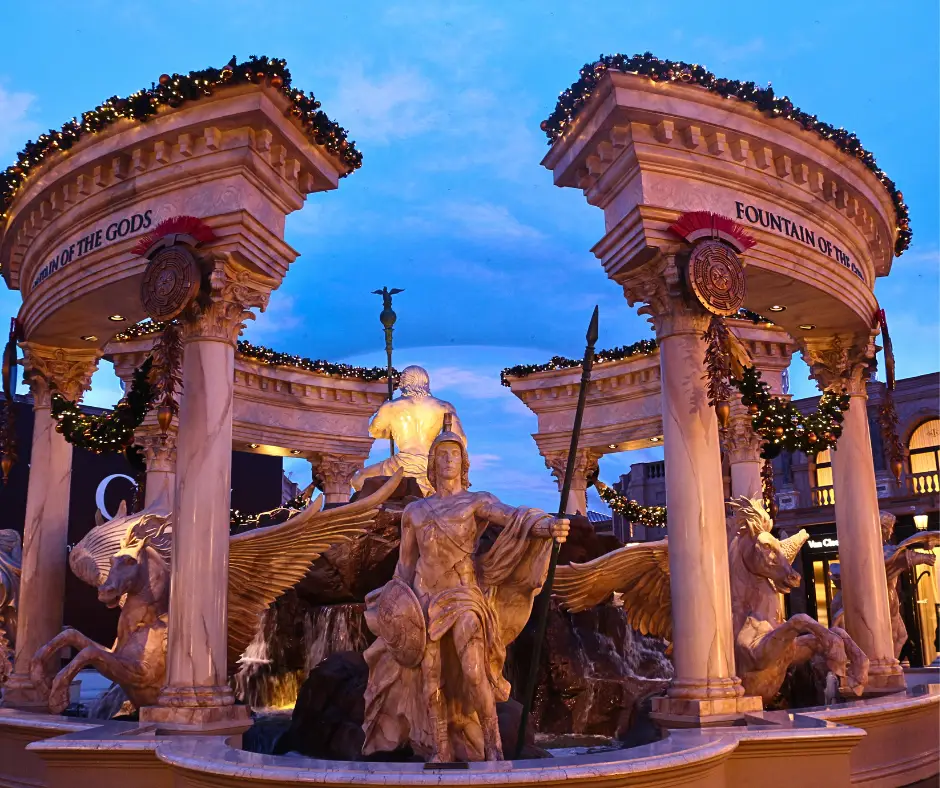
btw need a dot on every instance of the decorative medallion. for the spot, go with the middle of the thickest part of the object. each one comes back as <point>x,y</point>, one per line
<point>170,283</point>
<point>717,277</point>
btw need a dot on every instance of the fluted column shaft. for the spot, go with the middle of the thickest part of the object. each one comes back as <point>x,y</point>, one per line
<point>45,534</point>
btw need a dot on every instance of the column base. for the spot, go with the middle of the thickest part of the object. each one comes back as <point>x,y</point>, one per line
<point>20,693</point>
<point>195,720</point>
<point>699,713</point>
<point>196,710</point>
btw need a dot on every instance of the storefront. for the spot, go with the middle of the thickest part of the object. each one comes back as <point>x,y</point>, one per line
<point>919,588</point>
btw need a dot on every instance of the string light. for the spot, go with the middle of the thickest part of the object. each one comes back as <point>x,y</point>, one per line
<point>572,101</point>
<point>631,510</point>
<point>173,91</point>
<point>265,355</point>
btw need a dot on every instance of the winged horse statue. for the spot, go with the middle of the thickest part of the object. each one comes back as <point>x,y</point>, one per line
<point>765,644</point>
<point>128,560</point>
<point>11,557</point>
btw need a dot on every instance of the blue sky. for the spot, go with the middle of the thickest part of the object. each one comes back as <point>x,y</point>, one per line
<point>445,101</point>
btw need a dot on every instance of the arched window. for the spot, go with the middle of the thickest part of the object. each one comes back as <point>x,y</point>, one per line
<point>823,494</point>
<point>924,448</point>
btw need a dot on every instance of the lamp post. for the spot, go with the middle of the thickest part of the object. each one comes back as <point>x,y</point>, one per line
<point>388,318</point>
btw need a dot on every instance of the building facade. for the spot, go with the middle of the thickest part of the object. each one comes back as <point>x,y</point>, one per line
<point>805,497</point>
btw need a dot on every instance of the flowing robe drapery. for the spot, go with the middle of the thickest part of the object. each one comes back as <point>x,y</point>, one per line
<point>508,577</point>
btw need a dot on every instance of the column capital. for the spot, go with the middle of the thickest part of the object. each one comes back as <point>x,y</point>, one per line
<point>333,474</point>
<point>65,370</point>
<point>836,363</point>
<point>739,440</point>
<point>159,450</point>
<point>221,309</point>
<point>585,464</point>
<point>660,288</point>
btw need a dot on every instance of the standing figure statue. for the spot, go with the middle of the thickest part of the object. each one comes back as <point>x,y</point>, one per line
<point>444,620</point>
<point>898,559</point>
<point>11,559</point>
<point>413,420</point>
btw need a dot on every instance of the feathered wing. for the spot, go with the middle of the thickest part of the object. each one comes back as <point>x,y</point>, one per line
<point>922,541</point>
<point>265,562</point>
<point>639,572</point>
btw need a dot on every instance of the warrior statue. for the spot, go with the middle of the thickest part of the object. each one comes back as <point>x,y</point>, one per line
<point>444,620</point>
<point>413,420</point>
<point>898,559</point>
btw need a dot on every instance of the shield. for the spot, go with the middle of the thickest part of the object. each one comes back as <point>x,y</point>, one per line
<point>398,619</point>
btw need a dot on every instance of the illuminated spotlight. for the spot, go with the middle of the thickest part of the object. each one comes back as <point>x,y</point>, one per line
<point>89,338</point>
<point>655,440</point>
<point>295,451</point>
<point>806,327</point>
<point>117,318</point>
<point>253,445</point>
<point>777,308</point>
<point>611,445</point>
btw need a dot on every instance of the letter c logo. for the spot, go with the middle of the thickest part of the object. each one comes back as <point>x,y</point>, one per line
<point>103,486</point>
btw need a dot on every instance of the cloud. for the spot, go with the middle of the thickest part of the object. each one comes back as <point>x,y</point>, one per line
<point>17,126</point>
<point>479,219</point>
<point>469,383</point>
<point>390,106</point>
<point>484,462</point>
<point>279,318</point>
<point>724,52</point>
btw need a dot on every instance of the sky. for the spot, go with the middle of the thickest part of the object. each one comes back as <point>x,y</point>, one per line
<point>451,204</point>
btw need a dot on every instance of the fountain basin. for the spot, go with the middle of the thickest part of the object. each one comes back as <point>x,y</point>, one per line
<point>900,734</point>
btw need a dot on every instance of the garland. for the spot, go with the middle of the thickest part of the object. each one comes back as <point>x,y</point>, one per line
<point>265,355</point>
<point>632,511</point>
<point>173,91</point>
<point>642,348</point>
<point>238,520</point>
<point>782,426</point>
<point>109,431</point>
<point>572,101</point>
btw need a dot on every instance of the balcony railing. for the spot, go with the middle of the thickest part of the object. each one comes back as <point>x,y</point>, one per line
<point>924,483</point>
<point>823,496</point>
<point>655,470</point>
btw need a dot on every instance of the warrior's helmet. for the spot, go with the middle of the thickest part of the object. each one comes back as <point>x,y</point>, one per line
<point>449,436</point>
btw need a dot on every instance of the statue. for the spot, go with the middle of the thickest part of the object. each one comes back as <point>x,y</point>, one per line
<point>898,559</point>
<point>444,620</point>
<point>11,560</point>
<point>128,560</point>
<point>760,567</point>
<point>413,420</point>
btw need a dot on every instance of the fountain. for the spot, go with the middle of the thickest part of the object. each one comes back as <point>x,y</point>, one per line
<point>693,174</point>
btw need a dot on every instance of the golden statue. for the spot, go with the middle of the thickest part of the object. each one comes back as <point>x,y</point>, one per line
<point>443,622</point>
<point>413,421</point>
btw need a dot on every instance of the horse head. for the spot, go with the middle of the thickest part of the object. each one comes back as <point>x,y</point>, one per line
<point>761,552</point>
<point>130,566</point>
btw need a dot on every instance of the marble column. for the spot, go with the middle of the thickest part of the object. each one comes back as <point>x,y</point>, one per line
<point>334,474</point>
<point>705,690</point>
<point>45,533</point>
<point>197,695</point>
<point>838,366</point>
<point>742,445</point>
<point>584,467</point>
<point>160,454</point>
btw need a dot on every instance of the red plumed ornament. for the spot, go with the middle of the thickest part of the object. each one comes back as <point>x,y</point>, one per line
<point>176,225</point>
<point>695,225</point>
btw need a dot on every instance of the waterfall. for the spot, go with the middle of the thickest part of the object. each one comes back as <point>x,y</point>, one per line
<point>276,662</point>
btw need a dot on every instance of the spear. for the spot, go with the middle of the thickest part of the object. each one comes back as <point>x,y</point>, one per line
<point>388,318</point>
<point>544,598</point>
